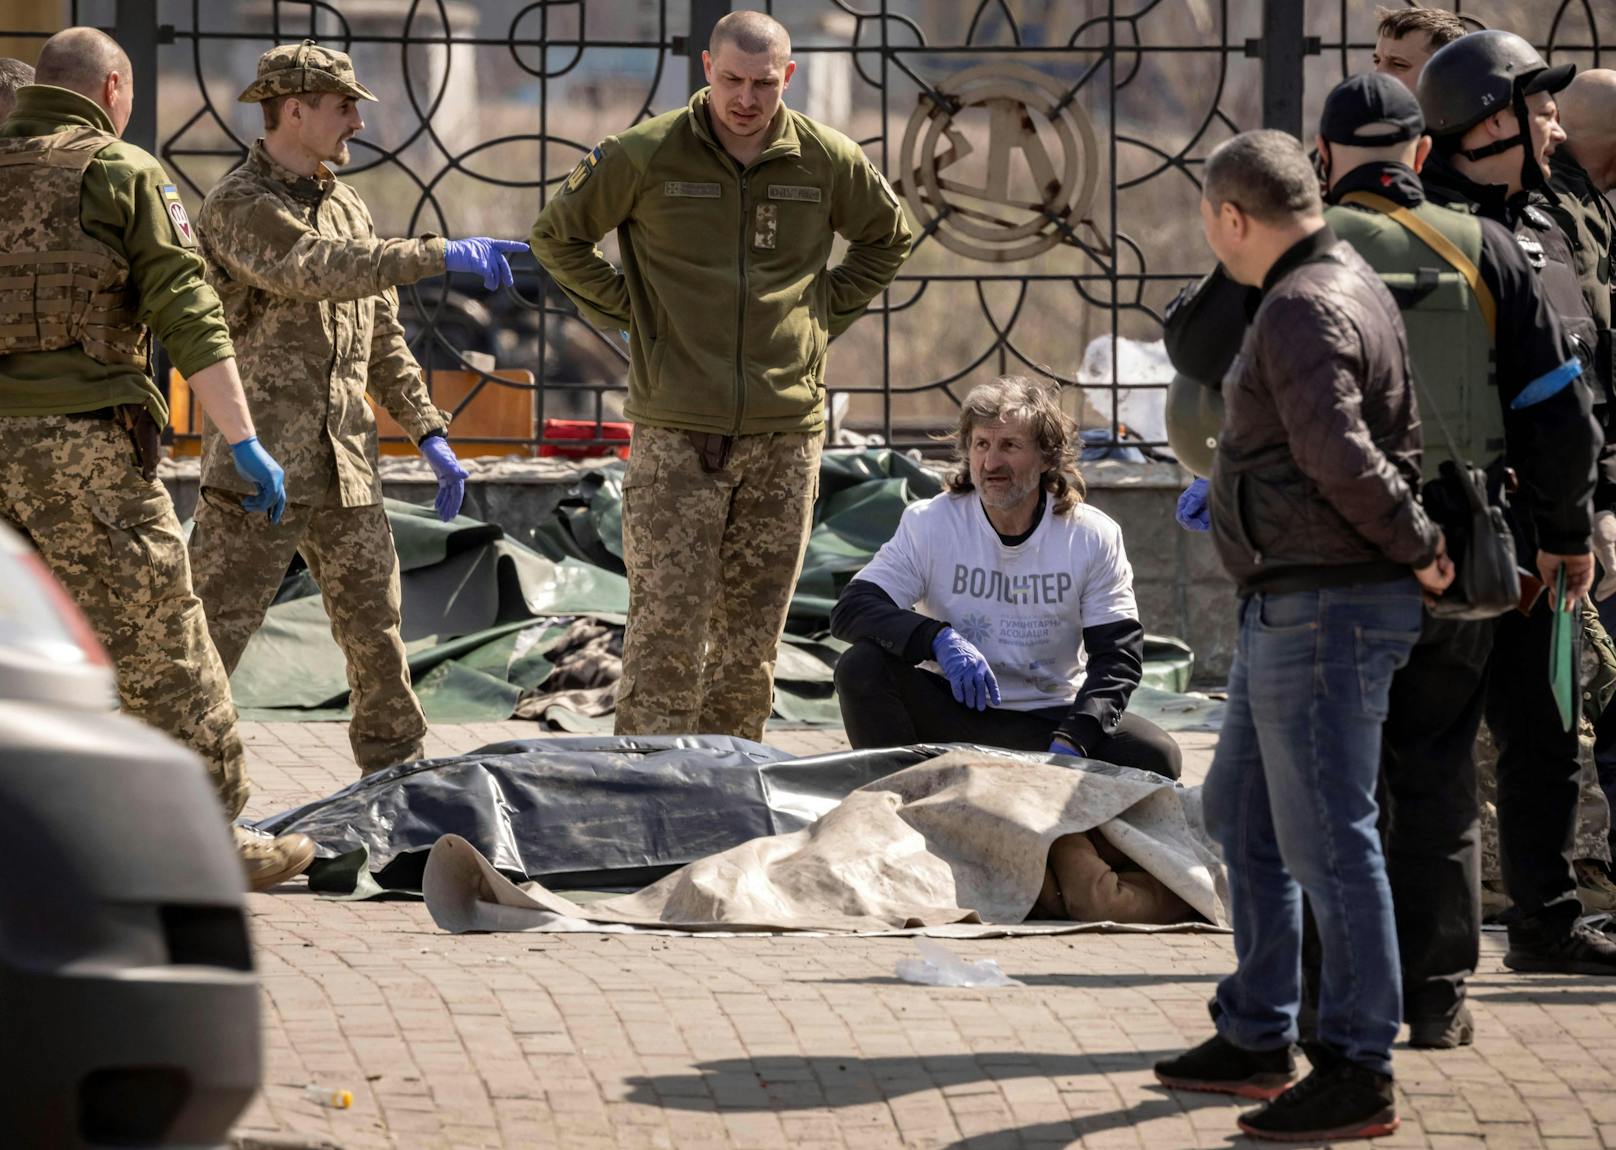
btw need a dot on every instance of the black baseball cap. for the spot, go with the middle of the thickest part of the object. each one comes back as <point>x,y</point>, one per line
<point>1370,110</point>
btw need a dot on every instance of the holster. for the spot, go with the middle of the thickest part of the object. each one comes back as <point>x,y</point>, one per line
<point>712,450</point>
<point>144,434</point>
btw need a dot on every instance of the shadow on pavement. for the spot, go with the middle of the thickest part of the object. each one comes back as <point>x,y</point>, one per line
<point>830,1081</point>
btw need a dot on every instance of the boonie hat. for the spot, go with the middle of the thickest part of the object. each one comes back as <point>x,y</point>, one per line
<point>292,69</point>
<point>1370,110</point>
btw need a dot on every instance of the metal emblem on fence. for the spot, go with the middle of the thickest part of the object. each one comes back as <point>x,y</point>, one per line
<point>995,212</point>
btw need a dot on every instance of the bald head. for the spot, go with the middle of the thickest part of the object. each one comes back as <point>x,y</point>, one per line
<point>89,62</point>
<point>1588,115</point>
<point>754,33</point>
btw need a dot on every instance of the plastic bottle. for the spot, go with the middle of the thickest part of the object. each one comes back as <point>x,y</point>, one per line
<point>327,1097</point>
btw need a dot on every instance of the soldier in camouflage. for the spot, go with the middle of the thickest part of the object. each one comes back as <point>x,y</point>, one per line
<point>98,252</point>
<point>726,211</point>
<point>309,290</point>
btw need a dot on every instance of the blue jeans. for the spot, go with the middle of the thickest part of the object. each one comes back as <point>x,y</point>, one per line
<point>1291,800</point>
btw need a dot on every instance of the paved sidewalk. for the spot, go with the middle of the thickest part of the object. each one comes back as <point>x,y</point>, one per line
<point>602,1040</point>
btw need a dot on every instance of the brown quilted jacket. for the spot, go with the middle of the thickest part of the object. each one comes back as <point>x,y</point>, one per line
<point>1319,460</point>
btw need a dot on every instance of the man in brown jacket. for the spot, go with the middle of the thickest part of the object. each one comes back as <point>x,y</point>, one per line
<point>1315,516</point>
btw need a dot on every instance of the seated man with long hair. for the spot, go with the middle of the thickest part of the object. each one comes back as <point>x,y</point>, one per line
<point>1015,590</point>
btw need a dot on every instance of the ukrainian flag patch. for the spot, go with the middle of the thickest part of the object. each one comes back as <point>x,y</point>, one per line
<point>183,232</point>
<point>585,169</point>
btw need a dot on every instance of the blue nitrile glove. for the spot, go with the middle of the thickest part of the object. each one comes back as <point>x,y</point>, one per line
<point>440,457</point>
<point>1059,746</point>
<point>1192,513</point>
<point>966,670</point>
<point>257,466</point>
<point>485,257</point>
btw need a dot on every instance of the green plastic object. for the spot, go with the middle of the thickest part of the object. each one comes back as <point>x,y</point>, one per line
<point>1562,656</point>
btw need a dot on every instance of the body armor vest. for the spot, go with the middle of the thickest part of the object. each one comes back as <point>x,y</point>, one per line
<point>1430,265</point>
<point>60,288</point>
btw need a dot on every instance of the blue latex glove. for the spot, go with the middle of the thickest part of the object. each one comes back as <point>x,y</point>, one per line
<point>1192,513</point>
<point>966,670</point>
<point>257,466</point>
<point>1061,747</point>
<point>484,256</point>
<point>440,457</point>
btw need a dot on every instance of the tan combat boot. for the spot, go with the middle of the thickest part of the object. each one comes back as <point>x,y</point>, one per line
<point>270,861</point>
<point>1594,889</point>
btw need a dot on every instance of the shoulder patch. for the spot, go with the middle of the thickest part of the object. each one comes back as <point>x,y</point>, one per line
<point>585,169</point>
<point>184,234</point>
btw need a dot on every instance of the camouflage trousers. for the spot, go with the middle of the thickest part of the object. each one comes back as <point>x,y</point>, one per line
<point>72,486</point>
<point>712,561</point>
<point>239,560</point>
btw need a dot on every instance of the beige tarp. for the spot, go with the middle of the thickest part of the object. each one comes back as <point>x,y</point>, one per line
<point>954,846</point>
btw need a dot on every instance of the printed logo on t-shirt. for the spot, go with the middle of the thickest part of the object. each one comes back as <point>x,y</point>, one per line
<point>1034,587</point>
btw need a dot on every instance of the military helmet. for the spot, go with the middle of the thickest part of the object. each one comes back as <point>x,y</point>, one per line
<point>1481,74</point>
<point>292,69</point>
<point>1194,415</point>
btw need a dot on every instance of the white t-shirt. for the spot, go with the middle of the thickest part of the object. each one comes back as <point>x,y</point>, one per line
<point>1023,607</point>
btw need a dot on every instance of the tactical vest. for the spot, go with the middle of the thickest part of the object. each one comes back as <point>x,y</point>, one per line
<point>1429,256</point>
<point>59,287</point>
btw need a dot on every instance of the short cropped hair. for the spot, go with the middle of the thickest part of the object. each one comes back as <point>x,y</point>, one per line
<point>13,75</point>
<point>1442,27</point>
<point>1265,174</point>
<point>753,33</point>
<point>80,59</point>
<point>275,105</point>
<point>1014,399</point>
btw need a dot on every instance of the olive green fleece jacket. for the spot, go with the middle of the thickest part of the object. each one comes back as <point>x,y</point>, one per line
<point>724,290</point>
<point>121,204</point>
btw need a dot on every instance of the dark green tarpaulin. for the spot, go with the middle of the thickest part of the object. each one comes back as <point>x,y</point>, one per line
<point>483,613</point>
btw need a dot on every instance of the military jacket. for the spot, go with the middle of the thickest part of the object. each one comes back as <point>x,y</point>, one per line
<point>308,288</point>
<point>1589,223</point>
<point>128,212</point>
<point>724,288</point>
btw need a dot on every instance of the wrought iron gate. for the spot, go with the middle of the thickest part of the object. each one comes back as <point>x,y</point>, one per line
<point>1048,151</point>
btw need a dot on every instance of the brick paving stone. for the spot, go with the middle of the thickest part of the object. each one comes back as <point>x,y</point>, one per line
<point>583,1040</point>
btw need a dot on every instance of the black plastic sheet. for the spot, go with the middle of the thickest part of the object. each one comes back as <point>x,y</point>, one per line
<point>609,812</point>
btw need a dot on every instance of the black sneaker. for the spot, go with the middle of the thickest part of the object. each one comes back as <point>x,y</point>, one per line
<point>1582,950</point>
<point>1337,1101</point>
<point>1442,1033</point>
<point>1218,1066</point>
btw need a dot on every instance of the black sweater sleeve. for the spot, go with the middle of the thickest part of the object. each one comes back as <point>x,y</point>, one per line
<point>865,611</point>
<point>1116,663</point>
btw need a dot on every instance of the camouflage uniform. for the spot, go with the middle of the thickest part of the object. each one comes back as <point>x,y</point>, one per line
<point>729,305</point>
<point>308,289</point>
<point>707,608</point>
<point>99,216</point>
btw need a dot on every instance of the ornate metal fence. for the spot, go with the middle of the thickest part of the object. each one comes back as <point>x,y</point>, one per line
<point>1048,152</point>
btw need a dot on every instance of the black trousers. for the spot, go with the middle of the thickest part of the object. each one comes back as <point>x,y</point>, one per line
<point>1430,812</point>
<point>1537,777</point>
<point>888,703</point>
<point>1430,817</point>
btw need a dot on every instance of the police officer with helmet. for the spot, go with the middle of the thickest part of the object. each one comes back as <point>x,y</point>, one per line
<point>1485,344</point>
<point>1488,100</point>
